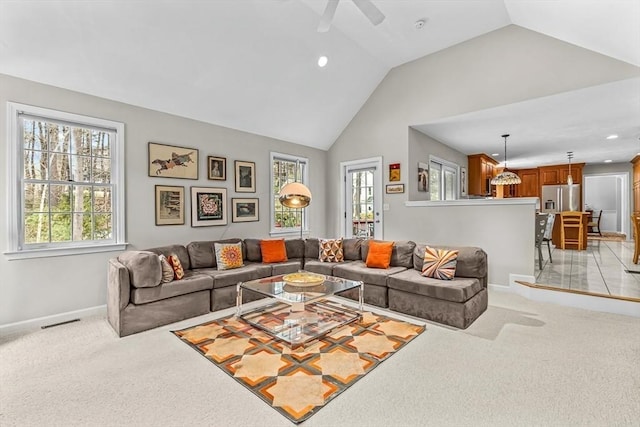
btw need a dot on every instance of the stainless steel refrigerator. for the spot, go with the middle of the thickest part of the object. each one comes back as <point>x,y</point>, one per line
<point>558,198</point>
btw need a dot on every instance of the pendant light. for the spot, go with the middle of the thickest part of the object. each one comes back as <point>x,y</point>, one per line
<point>570,177</point>
<point>296,195</point>
<point>505,177</point>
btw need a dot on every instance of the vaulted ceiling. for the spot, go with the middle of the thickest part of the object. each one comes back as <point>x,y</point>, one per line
<point>252,64</point>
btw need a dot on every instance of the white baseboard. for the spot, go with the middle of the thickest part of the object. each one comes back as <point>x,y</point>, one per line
<point>25,325</point>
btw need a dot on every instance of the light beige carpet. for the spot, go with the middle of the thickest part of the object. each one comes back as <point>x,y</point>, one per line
<point>522,363</point>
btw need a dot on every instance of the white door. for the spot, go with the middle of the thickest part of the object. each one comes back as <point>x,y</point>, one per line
<point>362,198</point>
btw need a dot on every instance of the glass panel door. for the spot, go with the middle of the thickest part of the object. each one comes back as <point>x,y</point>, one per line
<point>363,200</point>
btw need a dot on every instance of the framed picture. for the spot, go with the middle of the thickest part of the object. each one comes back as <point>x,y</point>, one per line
<point>423,176</point>
<point>245,177</point>
<point>217,167</point>
<point>463,181</point>
<point>244,210</point>
<point>171,161</point>
<point>394,172</point>
<point>208,206</point>
<point>169,205</point>
<point>394,188</point>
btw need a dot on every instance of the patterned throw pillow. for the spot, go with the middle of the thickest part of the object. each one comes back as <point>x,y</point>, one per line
<point>273,250</point>
<point>331,250</point>
<point>176,265</point>
<point>379,255</point>
<point>167,270</point>
<point>439,263</point>
<point>228,255</point>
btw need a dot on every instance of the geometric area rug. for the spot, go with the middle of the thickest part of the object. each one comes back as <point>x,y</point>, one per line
<point>298,383</point>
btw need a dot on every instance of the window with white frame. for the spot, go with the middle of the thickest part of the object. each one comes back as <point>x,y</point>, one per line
<point>66,173</point>
<point>285,169</point>
<point>443,179</point>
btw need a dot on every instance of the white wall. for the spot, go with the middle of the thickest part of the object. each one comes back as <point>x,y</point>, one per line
<point>505,66</point>
<point>48,286</point>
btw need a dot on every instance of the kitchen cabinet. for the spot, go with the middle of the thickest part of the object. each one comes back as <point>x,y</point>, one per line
<point>529,186</point>
<point>636,183</point>
<point>558,174</point>
<point>481,168</point>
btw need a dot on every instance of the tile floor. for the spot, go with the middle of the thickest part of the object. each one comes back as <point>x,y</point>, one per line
<point>599,269</point>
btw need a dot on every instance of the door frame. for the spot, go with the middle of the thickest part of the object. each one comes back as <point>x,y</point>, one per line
<point>377,185</point>
<point>625,221</point>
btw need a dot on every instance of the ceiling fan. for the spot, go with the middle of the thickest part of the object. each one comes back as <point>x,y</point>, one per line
<point>366,7</point>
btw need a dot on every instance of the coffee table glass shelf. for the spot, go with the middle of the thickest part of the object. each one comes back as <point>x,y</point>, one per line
<point>299,309</point>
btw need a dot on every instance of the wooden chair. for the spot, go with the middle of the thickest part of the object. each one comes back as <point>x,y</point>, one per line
<point>541,228</point>
<point>635,221</point>
<point>570,221</point>
<point>593,226</point>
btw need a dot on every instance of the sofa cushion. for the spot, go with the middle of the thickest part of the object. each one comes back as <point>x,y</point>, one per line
<point>145,270</point>
<point>179,250</point>
<point>178,271</point>
<point>202,254</point>
<point>439,263</point>
<point>330,250</point>
<point>273,250</point>
<point>167,269</point>
<point>351,248</point>
<point>311,248</point>
<point>358,270</point>
<point>228,255</point>
<point>315,266</point>
<point>379,254</point>
<point>253,251</point>
<point>401,256</point>
<point>289,266</point>
<point>192,282</point>
<point>250,271</point>
<point>295,248</point>
<point>456,290</point>
<point>471,262</point>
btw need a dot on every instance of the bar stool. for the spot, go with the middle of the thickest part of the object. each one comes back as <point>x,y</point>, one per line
<point>571,221</point>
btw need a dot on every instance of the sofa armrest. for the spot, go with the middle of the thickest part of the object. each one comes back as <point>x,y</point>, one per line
<point>118,285</point>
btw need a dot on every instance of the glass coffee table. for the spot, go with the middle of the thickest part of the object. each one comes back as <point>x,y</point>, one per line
<point>299,309</point>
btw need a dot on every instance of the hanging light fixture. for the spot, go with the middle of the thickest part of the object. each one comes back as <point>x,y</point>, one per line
<point>570,177</point>
<point>295,195</point>
<point>505,177</point>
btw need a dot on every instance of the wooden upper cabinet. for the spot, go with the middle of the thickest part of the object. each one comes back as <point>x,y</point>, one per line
<point>636,183</point>
<point>558,174</point>
<point>529,186</point>
<point>481,168</point>
<point>549,175</point>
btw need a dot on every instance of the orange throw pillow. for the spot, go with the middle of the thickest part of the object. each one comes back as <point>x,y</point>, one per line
<point>379,255</point>
<point>273,250</point>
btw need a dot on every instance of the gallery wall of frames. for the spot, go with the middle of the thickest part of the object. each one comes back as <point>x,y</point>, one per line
<point>210,205</point>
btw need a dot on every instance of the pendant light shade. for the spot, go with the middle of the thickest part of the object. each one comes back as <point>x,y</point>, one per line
<point>506,177</point>
<point>295,195</point>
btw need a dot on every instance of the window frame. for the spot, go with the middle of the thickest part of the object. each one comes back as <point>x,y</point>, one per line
<point>279,231</point>
<point>15,197</point>
<point>450,165</point>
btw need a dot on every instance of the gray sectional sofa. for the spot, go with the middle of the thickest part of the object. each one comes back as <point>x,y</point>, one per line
<point>137,301</point>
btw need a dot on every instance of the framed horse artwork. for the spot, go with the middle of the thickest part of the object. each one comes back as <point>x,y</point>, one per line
<point>172,161</point>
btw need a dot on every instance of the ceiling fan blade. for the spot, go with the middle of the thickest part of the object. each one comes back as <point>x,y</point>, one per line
<point>370,11</point>
<point>327,16</point>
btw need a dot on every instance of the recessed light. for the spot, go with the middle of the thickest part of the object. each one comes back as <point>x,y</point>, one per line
<point>322,61</point>
<point>608,161</point>
<point>495,154</point>
<point>614,136</point>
